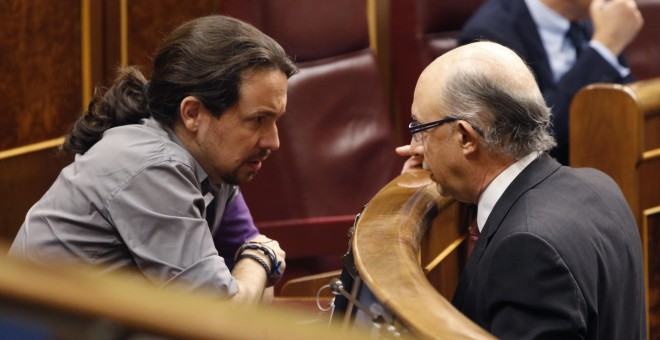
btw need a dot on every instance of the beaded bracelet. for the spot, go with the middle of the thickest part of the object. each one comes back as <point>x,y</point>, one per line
<point>256,258</point>
<point>275,265</point>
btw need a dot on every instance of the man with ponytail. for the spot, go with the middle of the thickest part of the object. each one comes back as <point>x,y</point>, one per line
<point>158,164</point>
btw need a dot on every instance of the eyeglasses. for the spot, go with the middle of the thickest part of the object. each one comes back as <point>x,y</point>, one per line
<point>415,127</point>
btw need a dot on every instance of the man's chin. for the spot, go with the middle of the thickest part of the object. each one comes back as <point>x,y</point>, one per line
<point>438,187</point>
<point>238,179</point>
<point>442,191</point>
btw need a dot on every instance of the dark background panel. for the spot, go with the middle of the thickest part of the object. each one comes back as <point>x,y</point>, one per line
<point>40,64</point>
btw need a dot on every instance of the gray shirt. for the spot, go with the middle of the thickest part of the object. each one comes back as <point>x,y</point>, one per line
<point>135,200</point>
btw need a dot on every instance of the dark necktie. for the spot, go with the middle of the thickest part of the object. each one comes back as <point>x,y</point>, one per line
<point>578,37</point>
<point>473,235</point>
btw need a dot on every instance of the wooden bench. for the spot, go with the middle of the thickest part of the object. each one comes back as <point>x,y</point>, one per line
<point>616,128</point>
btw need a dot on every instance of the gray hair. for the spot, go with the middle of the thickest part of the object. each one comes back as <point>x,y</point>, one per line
<point>513,122</point>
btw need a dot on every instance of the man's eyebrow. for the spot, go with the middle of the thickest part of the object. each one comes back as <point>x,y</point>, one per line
<point>264,113</point>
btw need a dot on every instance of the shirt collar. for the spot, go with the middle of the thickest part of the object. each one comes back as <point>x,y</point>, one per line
<point>547,19</point>
<point>496,188</point>
<point>199,172</point>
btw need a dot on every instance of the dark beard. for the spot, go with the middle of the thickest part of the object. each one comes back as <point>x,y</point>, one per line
<point>233,177</point>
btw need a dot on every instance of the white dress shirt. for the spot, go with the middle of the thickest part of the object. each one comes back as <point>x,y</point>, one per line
<point>496,188</point>
<point>553,28</point>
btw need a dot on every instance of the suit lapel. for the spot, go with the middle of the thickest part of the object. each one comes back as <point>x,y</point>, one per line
<point>533,45</point>
<point>535,173</point>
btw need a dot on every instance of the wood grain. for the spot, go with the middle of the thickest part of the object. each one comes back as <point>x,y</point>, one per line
<point>386,246</point>
<point>40,64</point>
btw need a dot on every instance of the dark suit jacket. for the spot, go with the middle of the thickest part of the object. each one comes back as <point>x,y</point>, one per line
<point>559,257</point>
<point>508,22</point>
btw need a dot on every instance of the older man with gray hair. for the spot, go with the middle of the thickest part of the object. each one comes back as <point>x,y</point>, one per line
<point>558,253</point>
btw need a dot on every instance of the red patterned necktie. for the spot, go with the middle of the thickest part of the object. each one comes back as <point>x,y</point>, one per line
<point>474,235</point>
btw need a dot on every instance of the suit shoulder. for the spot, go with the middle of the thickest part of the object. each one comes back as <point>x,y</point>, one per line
<point>493,21</point>
<point>593,179</point>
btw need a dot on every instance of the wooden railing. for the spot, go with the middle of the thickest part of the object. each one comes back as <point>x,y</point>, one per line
<point>64,302</point>
<point>406,232</point>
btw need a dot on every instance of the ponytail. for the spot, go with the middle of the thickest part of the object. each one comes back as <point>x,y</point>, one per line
<point>122,104</point>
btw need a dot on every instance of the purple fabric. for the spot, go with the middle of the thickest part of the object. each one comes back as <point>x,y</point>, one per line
<point>236,227</point>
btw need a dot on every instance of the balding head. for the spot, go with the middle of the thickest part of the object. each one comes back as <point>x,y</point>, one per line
<point>488,59</point>
<point>498,112</point>
<point>489,86</point>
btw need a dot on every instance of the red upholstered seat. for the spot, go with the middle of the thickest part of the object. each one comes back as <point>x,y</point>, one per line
<point>337,140</point>
<point>643,53</point>
<point>420,31</point>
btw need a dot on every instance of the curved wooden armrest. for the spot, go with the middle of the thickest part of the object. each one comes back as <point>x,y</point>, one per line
<point>386,246</point>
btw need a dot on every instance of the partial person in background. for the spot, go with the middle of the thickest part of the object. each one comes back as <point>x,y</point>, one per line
<point>158,164</point>
<point>559,254</point>
<point>567,43</point>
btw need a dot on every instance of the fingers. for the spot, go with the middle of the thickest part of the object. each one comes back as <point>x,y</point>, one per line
<point>415,154</point>
<point>616,23</point>
<point>404,151</point>
<point>596,4</point>
<point>410,150</point>
<point>260,239</point>
<point>412,163</point>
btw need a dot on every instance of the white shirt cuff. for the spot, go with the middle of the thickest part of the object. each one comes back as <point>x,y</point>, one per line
<point>610,58</point>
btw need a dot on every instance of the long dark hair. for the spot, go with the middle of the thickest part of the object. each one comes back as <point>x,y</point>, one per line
<point>204,58</point>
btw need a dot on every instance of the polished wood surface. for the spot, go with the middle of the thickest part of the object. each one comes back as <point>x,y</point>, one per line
<point>386,248</point>
<point>443,249</point>
<point>25,175</point>
<point>650,235</point>
<point>97,305</point>
<point>149,21</point>
<point>40,88</point>
<point>616,128</point>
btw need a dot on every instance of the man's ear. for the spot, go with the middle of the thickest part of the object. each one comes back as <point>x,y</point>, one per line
<point>191,111</point>
<point>468,137</point>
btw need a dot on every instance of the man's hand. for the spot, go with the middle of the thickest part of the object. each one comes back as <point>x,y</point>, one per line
<point>275,247</point>
<point>253,275</point>
<point>415,154</point>
<point>616,23</point>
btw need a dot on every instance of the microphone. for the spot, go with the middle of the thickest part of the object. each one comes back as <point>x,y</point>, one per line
<point>337,288</point>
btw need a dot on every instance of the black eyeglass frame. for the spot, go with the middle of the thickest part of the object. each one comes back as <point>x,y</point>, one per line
<point>416,128</point>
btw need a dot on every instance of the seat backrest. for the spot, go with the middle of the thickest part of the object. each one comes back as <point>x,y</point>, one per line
<point>26,173</point>
<point>643,53</point>
<point>623,140</point>
<point>337,142</point>
<point>420,31</point>
<point>624,121</point>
